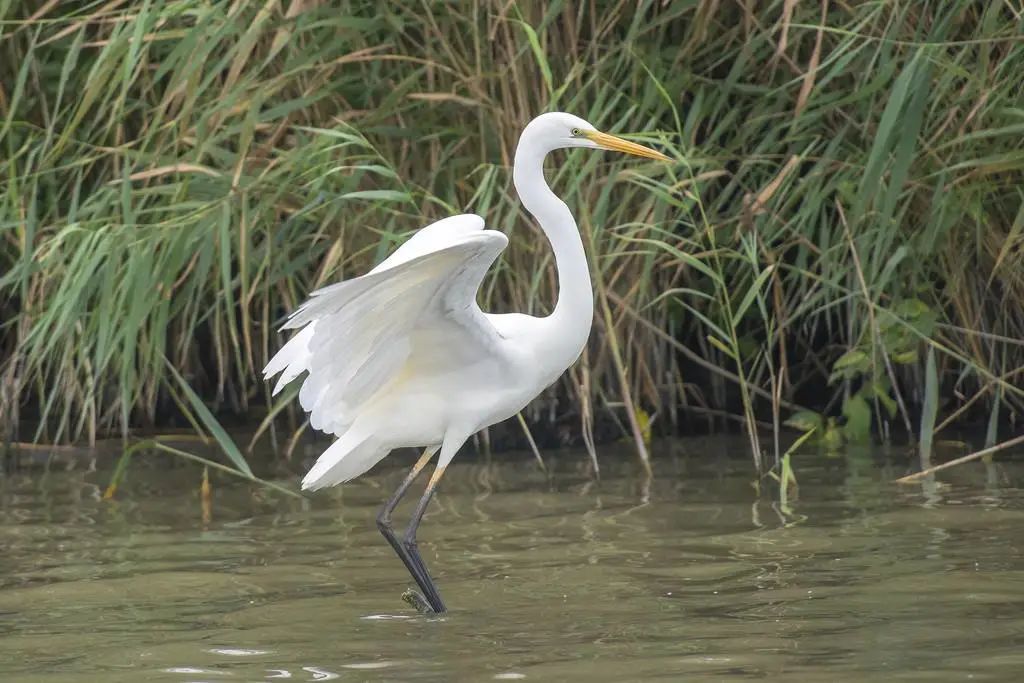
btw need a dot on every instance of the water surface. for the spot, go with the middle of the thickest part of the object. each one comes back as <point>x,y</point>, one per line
<point>690,576</point>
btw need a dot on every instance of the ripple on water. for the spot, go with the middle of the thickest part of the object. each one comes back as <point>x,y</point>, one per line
<point>691,576</point>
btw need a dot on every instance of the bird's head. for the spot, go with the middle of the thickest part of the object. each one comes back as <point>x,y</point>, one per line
<point>557,130</point>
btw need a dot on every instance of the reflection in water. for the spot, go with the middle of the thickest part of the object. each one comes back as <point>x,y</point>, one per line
<point>550,576</point>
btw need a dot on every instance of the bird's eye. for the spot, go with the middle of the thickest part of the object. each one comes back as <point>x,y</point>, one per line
<point>577,133</point>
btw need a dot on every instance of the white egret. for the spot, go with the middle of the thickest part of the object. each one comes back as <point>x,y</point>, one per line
<point>403,356</point>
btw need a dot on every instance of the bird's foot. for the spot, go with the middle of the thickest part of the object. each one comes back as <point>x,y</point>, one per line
<point>418,602</point>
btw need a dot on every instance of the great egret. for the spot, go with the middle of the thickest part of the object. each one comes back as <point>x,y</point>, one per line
<point>403,356</point>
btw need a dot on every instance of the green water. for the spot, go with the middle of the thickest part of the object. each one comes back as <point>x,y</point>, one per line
<point>554,577</point>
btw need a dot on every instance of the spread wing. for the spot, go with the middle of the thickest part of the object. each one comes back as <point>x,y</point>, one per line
<point>355,335</point>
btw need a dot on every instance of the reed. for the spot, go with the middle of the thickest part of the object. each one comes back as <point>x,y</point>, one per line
<point>176,175</point>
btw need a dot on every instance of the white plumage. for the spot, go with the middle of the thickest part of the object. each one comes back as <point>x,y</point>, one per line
<point>422,294</point>
<point>403,356</point>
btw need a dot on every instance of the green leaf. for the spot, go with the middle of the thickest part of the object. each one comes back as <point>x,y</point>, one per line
<point>992,432</point>
<point>328,132</point>
<point>909,309</point>
<point>211,423</point>
<point>880,388</point>
<point>540,55</point>
<point>905,357</point>
<point>850,364</point>
<point>721,346</point>
<point>858,418</point>
<point>379,195</point>
<point>832,439</point>
<point>930,409</point>
<point>925,324</point>
<point>752,292</point>
<point>903,152</point>
<point>805,421</point>
<point>871,179</point>
<point>686,258</point>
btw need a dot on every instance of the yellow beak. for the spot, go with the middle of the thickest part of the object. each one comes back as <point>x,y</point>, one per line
<point>615,144</point>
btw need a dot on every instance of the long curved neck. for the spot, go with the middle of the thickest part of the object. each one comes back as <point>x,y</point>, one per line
<point>574,311</point>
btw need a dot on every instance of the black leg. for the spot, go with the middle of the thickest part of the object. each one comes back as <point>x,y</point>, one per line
<point>429,589</point>
<point>384,519</point>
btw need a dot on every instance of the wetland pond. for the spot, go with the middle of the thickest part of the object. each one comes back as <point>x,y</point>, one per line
<point>548,576</point>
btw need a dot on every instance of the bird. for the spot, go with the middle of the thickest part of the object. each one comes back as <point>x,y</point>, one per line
<point>403,356</point>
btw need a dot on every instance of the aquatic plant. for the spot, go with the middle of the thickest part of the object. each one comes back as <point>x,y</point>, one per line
<point>177,174</point>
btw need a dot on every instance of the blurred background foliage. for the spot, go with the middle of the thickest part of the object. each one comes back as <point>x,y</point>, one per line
<point>843,231</point>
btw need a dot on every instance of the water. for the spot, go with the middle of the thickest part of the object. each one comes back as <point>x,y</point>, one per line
<point>559,577</point>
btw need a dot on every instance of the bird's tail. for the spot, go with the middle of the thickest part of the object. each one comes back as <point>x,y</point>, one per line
<point>346,459</point>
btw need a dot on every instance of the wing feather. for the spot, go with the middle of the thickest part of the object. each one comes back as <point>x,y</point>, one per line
<point>356,335</point>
